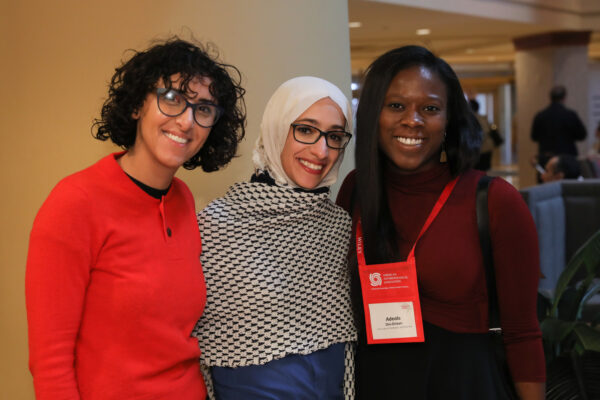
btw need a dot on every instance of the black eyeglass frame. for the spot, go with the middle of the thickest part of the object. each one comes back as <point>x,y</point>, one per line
<point>161,91</point>
<point>321,134</point>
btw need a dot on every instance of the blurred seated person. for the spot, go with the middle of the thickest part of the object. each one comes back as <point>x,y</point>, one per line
<point>487,144</point>
<point>563,166</point>
<point>595,151</point>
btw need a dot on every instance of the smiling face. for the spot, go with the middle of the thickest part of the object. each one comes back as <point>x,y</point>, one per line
<point>164,143</point>
<point>413,120</point>
<point>308,164</point>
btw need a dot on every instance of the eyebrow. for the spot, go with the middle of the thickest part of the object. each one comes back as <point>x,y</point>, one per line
<point>315,122</point>
<point>397,96</point>
<point>199,100</point>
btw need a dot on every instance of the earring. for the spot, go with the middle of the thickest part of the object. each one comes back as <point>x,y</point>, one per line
<point>443,155</point>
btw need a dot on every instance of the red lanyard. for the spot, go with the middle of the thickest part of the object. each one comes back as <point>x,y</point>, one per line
<point>432,215</point>
<point>390,291</point>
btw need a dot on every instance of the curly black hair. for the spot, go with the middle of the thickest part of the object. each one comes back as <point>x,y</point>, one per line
<point>138,76</point>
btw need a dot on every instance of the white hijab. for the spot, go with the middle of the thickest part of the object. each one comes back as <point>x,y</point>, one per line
<point>288,102</point>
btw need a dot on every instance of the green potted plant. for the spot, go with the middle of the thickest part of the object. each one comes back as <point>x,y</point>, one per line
<point>571,333</point>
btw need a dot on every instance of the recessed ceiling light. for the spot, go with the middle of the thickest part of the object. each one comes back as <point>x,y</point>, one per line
<point>355,24</point>
<point>354,86</point>
<point>423,32</point>
<point>470,51</point>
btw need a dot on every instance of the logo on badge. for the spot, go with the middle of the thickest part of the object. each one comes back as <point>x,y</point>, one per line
<point>375,279</point>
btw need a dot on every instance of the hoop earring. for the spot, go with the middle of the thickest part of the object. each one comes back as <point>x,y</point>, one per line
<point>443,155</point>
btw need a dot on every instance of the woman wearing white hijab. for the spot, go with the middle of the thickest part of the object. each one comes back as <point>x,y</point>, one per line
<point>278,316</point>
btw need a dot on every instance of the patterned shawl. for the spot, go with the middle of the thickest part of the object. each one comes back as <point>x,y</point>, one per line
<point>274,260</point>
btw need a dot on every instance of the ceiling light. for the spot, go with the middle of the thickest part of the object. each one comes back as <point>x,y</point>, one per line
<point>355,24</point>
<point>470,51</point>
<point>354,86</point>
<point>423,32</point>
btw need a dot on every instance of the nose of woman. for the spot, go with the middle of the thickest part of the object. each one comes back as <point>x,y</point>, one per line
<point>412,118</point>
<point>185,120</point>
<point>319,148</point>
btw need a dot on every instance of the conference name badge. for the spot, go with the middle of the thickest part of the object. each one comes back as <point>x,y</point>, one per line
<point>390,292</point>
<point>391,303</point>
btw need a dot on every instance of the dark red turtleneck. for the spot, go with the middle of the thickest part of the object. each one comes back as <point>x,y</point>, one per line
<point>449,261</point>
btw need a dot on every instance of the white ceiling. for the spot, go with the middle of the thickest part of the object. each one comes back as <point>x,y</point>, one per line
<point>472,35</point>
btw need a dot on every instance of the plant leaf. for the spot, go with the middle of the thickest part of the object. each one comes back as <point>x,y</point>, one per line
<point>588,337</point>
<point>595,320</point>
<point>587,256</point>
<point>555,330</point>
<point>569,303</point>
<point>591,292</point>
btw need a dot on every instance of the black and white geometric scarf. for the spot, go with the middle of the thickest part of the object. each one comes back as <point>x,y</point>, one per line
<point>274,260</point>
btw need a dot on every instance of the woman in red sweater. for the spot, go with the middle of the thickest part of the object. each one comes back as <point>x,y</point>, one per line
<point>417,141</point>
<point>114,284</point>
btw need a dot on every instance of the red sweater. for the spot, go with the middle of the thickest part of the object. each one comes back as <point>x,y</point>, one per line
<point>450,267</point>
<point>112,297</point>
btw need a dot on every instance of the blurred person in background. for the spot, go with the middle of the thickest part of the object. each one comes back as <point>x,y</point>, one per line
<point>563,166</point>
<point>487,143</point>
<point>556,128</point>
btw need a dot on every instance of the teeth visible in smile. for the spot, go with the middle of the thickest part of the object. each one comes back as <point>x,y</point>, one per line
<point>409,141</point>
<point>176,138</point>
<point>311,165</point>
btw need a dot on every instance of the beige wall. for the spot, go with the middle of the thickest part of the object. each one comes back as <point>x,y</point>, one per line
<point>56,59</point>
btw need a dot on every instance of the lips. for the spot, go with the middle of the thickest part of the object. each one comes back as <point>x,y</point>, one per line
<point>310,167</point>
<point>409,141</point>
<point>175,138</point>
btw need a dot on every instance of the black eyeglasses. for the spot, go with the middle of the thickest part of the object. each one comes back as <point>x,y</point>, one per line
<point>173,103</point>
<point>308,134</point>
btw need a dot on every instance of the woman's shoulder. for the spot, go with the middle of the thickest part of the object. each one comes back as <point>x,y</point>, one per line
<point>503,197</point>
<point>181,188</point>
<point>80,185</point>
<point>71,199</point>
<point>92,178</point>
<point>498,186</point>
<point>181,195</point>
<point>503,193</point>
<point>504,200</point>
